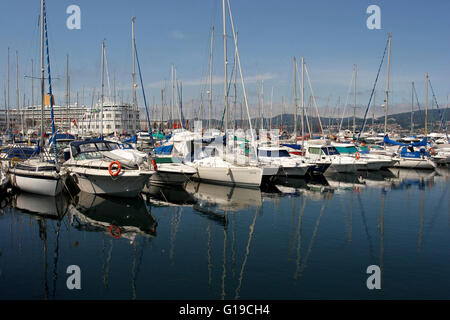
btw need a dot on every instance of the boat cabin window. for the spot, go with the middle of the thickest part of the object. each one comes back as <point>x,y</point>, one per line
<point>92,150</point>
<point>330,151</point>
<point>102,146</point>
<point>88,148</point>
<point>273,153</point>
<point>315,151</point>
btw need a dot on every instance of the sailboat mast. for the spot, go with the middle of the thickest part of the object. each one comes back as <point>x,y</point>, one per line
<point>210,76</point>
<point>295,100</point>
<point>172,100</point>
<point>67,92</point>
<point>303,101</point>
<point>262,103</point>
<point>271,109</point>
<point>387,86</point>
<point>225,61</point>
<point>373,110</point>
<point>412,107</point>
<point>354,100</point>
<point>7,105</point>
<point>42,79</point>
<point>17,87</point>
<point>235,87</point>
<point>103,87</point>
<point>133,72</point>
<point>426,104</point>
<point>32,91</point>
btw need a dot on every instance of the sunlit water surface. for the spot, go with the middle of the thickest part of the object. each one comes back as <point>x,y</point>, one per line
<point>294,239</point>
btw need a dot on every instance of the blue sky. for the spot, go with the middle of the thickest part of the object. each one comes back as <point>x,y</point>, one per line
<point>331,35</point>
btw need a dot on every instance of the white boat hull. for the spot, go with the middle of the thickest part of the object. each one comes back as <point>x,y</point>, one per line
<point>45,186</point>
<point>169,178</point>
<point>239,176</point>
<point>374,165</point>
<point>120,186</point>
<point>415,164</point>
<point>174,174</point>
<point>268,170</point>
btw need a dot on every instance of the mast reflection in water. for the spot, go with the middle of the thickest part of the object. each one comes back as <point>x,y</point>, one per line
<point>293,239</point>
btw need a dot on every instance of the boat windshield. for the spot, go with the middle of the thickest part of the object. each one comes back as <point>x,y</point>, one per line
<point>349,149</point>
<point>274,153</point>
<point>330,151</point>
<point>92,150</point>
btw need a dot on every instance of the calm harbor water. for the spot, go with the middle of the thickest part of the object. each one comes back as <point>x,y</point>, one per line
<point>296,239</point>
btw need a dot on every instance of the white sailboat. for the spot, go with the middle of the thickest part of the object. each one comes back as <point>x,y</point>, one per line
<point>218,168</point>
<point>174,174</point>
<point>37,175</point>
<point>410,158</point>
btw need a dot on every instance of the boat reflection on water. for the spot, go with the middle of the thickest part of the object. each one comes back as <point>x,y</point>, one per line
<point>49,212</point>
<point>43,206</point>
<point>377,179</point>
<point>215,201</point>
<point>230,198</point>
<point>119,217</point>
<point>443,173</point>
<point>342,182</point>
<point>405,178</point>
<point>314,189</point>
<point>163,196</point>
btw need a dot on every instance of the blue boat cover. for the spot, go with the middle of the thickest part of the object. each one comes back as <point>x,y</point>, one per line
<point>422,143</point>
<point>163,150</point>
<point>405,153</point>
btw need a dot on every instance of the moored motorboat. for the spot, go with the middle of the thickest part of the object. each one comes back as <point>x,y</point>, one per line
<point>281,159</point>
<point>371,162</point>
<point>101,167</point>
<point>319,151</point>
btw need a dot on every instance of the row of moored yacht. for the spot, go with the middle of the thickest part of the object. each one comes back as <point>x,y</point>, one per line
<point>108,167</point>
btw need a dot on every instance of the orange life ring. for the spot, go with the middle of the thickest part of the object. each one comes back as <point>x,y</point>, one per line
<point>115,231</point>
<point>155,166</point>
<point>114,173</point>
<point>15,160</point>
<point>431,151</point>
<point>357,156</point>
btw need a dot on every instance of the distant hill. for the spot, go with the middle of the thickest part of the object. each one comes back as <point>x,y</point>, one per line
<point>401,119</point>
